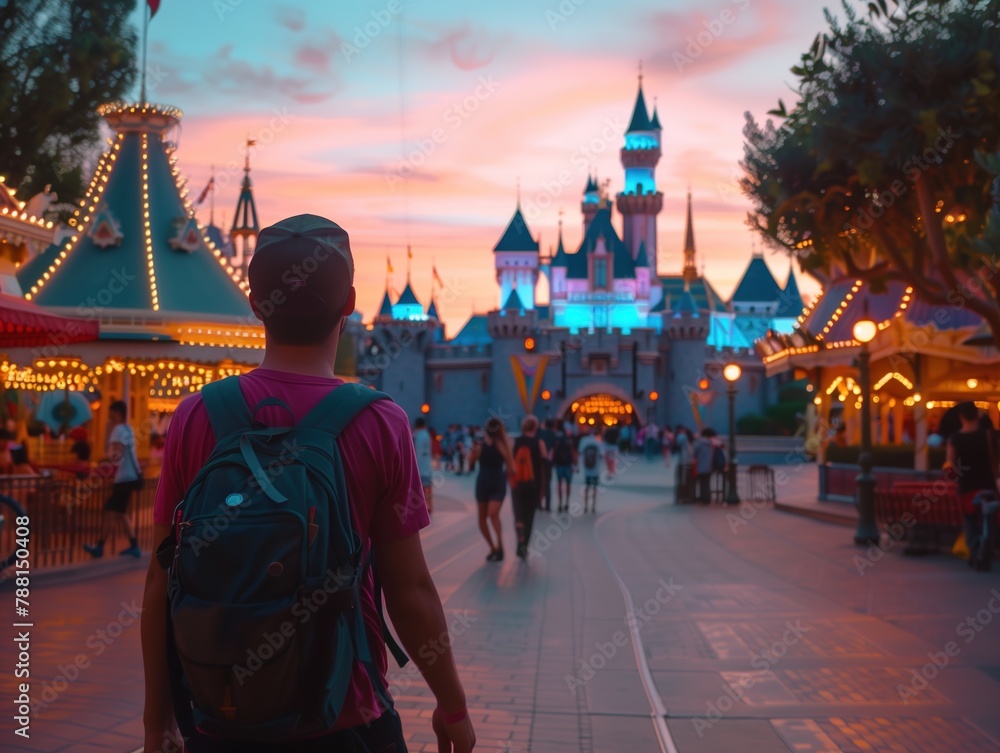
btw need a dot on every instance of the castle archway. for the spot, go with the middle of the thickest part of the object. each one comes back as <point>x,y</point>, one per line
<point>600,405</point>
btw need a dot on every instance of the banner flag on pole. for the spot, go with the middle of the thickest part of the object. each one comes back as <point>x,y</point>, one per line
<point>204,194</point>
<point>528,373</point>
<point>154,5</point>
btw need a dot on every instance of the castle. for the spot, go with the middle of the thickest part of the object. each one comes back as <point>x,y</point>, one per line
<point>619,339</point>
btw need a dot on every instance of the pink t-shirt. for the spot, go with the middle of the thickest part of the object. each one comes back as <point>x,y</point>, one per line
<point>383,485</point>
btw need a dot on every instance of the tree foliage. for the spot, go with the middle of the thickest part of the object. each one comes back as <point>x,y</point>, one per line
<point>886,167</point>
<point>59,60</point>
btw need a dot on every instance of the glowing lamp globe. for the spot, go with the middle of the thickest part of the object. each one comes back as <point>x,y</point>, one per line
<point>732,372</point>
<point>865,330</point>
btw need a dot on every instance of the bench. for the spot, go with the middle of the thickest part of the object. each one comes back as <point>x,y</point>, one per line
<point>925,511</point>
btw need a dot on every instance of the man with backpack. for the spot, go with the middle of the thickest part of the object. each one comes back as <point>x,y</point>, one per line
<point>526,484</point>
<point>278,488</point>
<point>563,456</point>
<point>591,452</point>
<point>548,436</point>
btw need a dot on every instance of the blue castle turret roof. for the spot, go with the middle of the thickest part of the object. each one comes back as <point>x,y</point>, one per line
<point>640,115</point>
<point>516,237</point>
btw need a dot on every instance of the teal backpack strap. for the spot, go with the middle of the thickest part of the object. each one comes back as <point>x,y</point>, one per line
<point>335,411</point>
<point>226,406</point>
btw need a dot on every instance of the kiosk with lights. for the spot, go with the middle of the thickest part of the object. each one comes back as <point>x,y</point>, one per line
<point>173,313</point>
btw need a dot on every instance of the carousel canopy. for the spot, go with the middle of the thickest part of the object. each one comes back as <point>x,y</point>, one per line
<point>24,325</point>
<point>137,245</point>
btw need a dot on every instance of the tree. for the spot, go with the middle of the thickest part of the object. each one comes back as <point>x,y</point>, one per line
<point>886,167</point>
<point>59,60</point>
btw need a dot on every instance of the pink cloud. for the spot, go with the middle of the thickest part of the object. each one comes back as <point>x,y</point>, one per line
<point>468,48</point>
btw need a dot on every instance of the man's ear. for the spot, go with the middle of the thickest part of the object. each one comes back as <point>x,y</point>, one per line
<point>350,303</point>
<point>253,307</point>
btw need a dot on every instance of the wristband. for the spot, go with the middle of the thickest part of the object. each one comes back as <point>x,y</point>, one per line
<point>455,718</point>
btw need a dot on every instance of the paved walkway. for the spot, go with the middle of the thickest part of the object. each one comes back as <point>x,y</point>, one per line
<point>647,627</point>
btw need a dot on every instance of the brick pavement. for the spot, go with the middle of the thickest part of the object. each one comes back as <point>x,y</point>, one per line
<point>526,629</point>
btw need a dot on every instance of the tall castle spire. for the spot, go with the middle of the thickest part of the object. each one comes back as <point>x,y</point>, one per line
<point>640,202</point>
<point>690,270</point>
<point>245,230</point>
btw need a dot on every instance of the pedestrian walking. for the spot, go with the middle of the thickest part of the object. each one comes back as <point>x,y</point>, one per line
<point>972,456</point>
<point>704,455</point>
<point>563,456</point>
<point>610,436</point>
<point>425,461</point>
<point>526,484</point>
<point>548,436</point>
<point>496,461</point>
<point>128,479</point>
<point>652,441</point>
<point>344,496</point>
<point>591,452</point>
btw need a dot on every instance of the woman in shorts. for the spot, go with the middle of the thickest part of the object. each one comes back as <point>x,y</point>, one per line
<point>495,464</point>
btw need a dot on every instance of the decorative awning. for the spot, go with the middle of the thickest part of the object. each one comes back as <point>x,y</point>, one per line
<point>25,325</point>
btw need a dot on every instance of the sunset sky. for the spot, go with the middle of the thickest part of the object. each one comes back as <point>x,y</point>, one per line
<point>412,122</point>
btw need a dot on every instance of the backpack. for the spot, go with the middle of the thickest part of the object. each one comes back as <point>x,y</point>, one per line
<point>718,459</point>
<point>265,571</point>
<point>563,453</point>
<point>524,466</point>
<point>590,457</point>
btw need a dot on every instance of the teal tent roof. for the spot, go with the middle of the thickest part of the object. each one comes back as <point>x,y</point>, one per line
<point>516,237</point>
<point>601,227</point>
<point>702,292</point>
<point>475,332</point>
<point>408,297</point>
<point>432,312</point>
<point>791,299</point>
<point>189,278</point>
<point>642,258</point>
<point>513,302</point>
<point>758,284</point>
<point>640,115</point>
<point>386,308</point>
<point>591,186</point>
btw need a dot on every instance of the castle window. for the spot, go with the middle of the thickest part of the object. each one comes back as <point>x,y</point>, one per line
<point>600,274</point>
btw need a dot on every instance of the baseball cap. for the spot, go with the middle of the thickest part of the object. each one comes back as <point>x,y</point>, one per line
<point>300,275</point>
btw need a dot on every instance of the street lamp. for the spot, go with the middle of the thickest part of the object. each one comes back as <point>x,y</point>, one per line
<point>867,532</point>
<point>731,373</point>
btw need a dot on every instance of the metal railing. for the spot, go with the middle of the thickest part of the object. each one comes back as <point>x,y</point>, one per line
<point>66,512</point>
<point>838,481</point>
<point>753,483</point>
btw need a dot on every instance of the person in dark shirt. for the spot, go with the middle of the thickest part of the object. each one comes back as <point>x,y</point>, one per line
<point>526,481</point>
<point>548,436</point>
<point>495,464</point>
<point>971,455</point>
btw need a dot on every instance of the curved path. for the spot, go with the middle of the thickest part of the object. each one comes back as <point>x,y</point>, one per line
<point>645,628</point>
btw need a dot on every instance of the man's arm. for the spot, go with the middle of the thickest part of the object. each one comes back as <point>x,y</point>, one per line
<point>158,715</point>
<point>413,604</point>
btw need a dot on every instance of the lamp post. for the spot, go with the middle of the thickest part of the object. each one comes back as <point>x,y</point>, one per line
<point>731,373</point>
<point>867,532</point>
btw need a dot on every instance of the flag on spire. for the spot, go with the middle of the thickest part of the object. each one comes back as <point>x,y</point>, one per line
<point>437,277</point>
<point>154,5</point>
<point>388,265</point>
<point>409,252</point>
<point>204,194</point>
